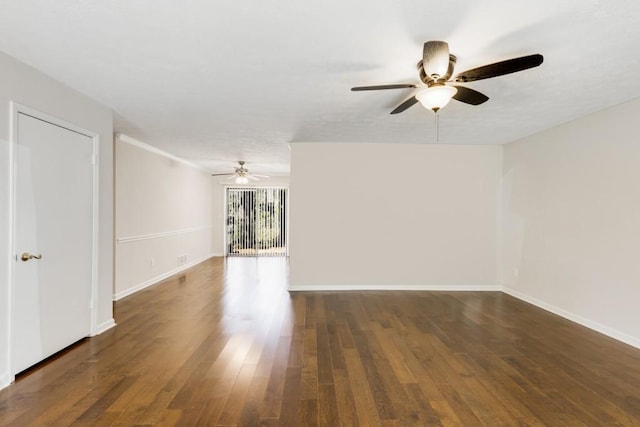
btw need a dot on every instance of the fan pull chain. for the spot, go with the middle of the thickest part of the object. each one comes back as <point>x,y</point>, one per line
<point>437,127</point>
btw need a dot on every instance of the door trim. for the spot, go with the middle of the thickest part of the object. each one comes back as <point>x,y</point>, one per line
<point>16,109</point>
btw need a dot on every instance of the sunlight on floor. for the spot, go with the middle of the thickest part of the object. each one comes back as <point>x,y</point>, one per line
<point>253,286</point>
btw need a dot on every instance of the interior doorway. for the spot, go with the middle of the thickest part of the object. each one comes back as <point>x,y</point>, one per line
<point>256,221</point>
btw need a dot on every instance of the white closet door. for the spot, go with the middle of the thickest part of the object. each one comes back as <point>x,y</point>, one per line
<point>53,221</point>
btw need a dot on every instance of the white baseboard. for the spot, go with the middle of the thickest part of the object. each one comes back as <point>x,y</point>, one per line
<point>598,327</point>
<point>5,380</point>
<point>332,288</point>
<point>104,326</point>
<point>140,286</point>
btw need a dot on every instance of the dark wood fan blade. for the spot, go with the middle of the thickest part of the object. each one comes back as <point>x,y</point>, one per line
<point>222,174</point>
<point>406,104</point>
<point>435,59</point>
<point>469,96</point>
<point>500,68</point>
<point>381,87</point>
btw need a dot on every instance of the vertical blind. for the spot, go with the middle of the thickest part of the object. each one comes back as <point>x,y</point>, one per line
<point>256,221</point>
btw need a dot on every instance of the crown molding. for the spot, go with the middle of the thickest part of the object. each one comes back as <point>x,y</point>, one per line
<point>152,149</point>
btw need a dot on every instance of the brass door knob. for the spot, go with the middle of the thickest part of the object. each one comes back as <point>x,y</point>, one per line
<point>27,256</point>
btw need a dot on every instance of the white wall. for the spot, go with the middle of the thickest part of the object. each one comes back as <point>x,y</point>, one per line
<point>571,239</point>
<point>29,87</point>
<point>220,183</point>
<point>164,215</point>
<point>394,216</point>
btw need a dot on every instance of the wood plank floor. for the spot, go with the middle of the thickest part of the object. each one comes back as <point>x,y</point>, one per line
<point>225,344</point>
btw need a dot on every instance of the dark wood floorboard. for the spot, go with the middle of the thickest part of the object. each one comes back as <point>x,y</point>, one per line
<point>224,344</point>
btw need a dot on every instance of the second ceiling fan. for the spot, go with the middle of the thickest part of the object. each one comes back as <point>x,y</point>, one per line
<point>242,175</point>
<point>439,87</point>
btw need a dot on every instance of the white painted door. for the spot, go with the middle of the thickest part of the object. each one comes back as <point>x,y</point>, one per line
<point>54,224</point>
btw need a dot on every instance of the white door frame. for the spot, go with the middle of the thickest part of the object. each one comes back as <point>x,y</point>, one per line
<point>15,110</point>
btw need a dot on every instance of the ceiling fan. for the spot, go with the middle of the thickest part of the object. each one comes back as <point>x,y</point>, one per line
<point>242,175</point>
<point>438,86</point>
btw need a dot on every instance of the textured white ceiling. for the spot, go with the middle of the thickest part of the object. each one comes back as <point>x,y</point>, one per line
<point>219,81</point>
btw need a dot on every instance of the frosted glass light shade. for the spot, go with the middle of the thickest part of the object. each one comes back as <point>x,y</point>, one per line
<point>436,97</point>
<point>242,180</point>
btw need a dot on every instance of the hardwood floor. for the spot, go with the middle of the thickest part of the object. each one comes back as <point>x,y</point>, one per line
<point>225,344</point>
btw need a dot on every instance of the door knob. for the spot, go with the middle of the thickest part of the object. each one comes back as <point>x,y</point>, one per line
<point>27,256</point>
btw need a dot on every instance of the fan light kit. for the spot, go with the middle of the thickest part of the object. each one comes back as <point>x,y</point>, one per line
<point>435,97</point>
<point>436,69</point>
<point>241,175</point>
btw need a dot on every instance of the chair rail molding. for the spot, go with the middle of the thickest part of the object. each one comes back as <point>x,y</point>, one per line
<point>162,234</point>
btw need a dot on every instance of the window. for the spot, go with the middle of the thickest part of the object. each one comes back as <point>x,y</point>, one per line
<point>256,221</point>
